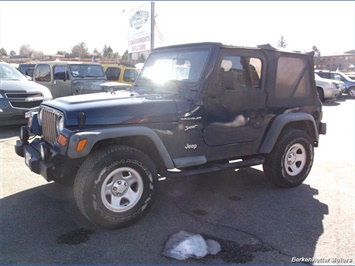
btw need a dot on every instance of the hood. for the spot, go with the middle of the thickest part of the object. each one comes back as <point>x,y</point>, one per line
<point>21,86</point>
<point>119,107</point>
<point>88,86</point>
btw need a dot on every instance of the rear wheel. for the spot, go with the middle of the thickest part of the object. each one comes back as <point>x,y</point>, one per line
<point>114,187</point>
<point>291,160</point>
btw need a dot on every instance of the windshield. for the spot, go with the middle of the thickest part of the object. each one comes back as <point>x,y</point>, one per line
<point>82,71</point>
<point>177,65</point>
<point>8,72</point>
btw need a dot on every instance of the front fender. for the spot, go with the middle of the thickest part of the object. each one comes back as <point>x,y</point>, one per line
<point>95,136</point>
<point>280,122</point>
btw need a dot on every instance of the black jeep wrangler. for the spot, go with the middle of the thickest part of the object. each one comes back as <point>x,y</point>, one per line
<point>194,108</point>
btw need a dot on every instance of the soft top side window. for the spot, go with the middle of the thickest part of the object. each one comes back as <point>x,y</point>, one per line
<point>292,78</point>
<point>43,73</point>
<point>113,73</point>
<point>238,72</point>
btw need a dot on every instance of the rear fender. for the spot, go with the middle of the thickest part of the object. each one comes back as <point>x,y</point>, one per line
<point>286,120</point>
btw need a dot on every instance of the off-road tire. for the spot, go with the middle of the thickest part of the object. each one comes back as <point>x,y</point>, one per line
<point>291,160</point>
<point>114,186</point>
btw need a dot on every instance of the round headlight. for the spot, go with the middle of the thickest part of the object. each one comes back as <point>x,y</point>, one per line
<point>60,124</point>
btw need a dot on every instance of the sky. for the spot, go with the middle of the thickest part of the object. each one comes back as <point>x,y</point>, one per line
<point>51,26</point>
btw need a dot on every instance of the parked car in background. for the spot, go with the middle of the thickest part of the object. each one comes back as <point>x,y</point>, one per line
<point>339,84</point>
<point>349,83</point>
<point>71,78</point>
<point>326,88</point>
<point>27,69</point>
<point>351,75</point>
<point>18,95</point>
<point>121,73</point>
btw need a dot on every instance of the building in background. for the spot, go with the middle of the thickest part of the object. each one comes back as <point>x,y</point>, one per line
<point>342,62</point>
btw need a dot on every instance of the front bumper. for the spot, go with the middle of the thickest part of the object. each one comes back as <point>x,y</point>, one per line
<point>332,93</point>
<point>31,153</point>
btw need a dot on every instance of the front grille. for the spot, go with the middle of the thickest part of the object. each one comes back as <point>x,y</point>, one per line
<point>23,95</point>
<point>24,100</point>
<point>26,105</point>
<point>49,121</point>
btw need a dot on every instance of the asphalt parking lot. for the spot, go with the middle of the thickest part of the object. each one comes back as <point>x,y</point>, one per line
<point>254,222</point>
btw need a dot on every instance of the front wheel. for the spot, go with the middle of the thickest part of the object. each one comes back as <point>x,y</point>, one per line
<point>114,186</point>
<point>291,160</point>
<point>320,94</point>
<point>351,92</point>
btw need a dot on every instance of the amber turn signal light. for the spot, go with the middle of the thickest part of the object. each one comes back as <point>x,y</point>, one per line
<point>62,140</point>
<point>81,144</point>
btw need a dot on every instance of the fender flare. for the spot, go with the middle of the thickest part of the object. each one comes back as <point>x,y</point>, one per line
<point>95,136</point>
<point>280,122</point>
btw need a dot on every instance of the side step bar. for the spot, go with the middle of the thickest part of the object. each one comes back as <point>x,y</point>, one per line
<point>216,167</point>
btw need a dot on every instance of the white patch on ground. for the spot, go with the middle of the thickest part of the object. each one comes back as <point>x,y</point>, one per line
<point>183,245</point>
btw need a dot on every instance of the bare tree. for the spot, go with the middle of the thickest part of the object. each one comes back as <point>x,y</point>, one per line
<point>26,50</point>
<point>80,50</point>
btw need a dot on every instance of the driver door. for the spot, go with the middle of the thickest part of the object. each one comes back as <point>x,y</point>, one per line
<point>235,102</point>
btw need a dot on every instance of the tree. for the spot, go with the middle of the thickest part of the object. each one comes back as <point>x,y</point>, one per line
<point>61,52</point>
<point>282,43</point>
<point>317,55</point>
<point>116,55</point>
<point>125,55</point>
<point>96,53</point>
<point>316,51</point>
<point>13,53</point>
<point>107,51</point>
<point>141,58</point>
<point>80,50</point>
<point>3,52</point>
<point>26,50</point>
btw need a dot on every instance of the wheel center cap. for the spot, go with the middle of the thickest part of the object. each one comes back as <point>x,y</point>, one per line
<point>291,158</point>
<point>119,187</point>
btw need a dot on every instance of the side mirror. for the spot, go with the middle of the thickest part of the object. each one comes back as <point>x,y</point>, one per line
<point>29,78</point>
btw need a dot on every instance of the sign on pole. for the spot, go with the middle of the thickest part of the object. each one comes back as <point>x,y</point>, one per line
<point>140,29</point>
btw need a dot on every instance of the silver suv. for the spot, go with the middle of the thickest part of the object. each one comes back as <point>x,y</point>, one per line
<point>18,95</point>
<point>326,88</point>
<point>349,83</point>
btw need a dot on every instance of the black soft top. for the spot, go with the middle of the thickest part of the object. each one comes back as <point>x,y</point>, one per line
<point>264,47</point>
